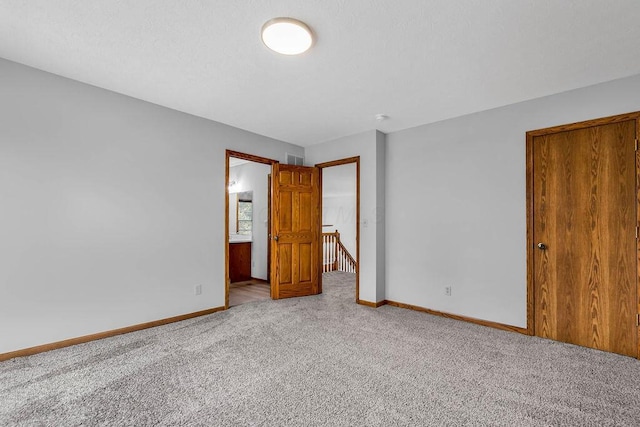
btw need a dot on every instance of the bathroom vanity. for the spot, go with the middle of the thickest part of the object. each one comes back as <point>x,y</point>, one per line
<point>239,261</point>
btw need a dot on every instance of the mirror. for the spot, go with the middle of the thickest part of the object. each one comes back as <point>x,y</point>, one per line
<point>244,213</point>
<point>241,214</point>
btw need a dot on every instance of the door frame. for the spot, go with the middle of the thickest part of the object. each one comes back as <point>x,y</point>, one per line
<point>251,158</point>
<point>345,161</point>
<point>530,203</point>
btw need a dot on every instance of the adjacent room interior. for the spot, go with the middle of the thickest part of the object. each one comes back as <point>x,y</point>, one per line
<point>341,219</point>
<point>248,221</point>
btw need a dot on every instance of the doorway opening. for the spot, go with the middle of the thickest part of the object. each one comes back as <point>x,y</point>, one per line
<point>340,204</point>
<point>273,229</point>
<point>247,228</point>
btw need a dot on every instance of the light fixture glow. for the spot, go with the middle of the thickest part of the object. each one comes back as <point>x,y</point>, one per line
<point>287,36</point>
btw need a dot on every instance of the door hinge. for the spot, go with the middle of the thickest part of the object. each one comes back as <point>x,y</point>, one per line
<point>636,144</point>
<point>638,319</point>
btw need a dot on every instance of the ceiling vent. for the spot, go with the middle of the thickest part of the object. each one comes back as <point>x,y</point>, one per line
<point>292,159</point>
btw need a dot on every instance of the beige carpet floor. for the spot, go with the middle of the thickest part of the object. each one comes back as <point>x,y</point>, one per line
<point>321,361</point>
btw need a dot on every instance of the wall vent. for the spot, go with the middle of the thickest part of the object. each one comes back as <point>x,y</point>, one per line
<point>292,159</point>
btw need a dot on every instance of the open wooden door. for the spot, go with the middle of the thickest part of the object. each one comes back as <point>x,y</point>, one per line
<point>295,231</point>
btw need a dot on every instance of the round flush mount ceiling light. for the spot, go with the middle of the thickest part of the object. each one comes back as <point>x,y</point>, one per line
<point>287,36</point>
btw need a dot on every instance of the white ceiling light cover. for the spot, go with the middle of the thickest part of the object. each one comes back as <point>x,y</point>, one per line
<point>287,36</point>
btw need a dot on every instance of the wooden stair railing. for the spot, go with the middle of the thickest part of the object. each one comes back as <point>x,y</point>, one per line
<point>335,256</point>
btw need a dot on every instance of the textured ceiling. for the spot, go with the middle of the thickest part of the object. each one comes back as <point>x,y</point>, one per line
<point>417,61</point>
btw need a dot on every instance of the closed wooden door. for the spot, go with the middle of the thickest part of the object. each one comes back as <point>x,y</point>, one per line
<point>296,231</point>
<point>584,237</point>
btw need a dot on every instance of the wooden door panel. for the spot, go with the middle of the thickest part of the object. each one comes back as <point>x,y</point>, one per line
<point>584,189</point>
<point>284,263</point>
<point>295,262</point>
<point>296,199</point>
<point>285,177</point>
<point>305,220</point>
<point>306,261</point>
<point>305,178</point>
<point>285,218</point>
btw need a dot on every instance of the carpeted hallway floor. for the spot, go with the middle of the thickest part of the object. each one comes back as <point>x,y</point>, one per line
<point>321,361</point>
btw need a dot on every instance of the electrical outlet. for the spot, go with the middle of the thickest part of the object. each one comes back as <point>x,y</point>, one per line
<point>447,291</point>
<point>198,290</point>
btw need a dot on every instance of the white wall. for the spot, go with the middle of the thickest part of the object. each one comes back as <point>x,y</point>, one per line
<point>380,215</point>
<point>253,176</point>
<point>339,203</point>
<point>112,208</point>
<point>456,202</point>
<point>340,212</point>
<point>370,147</point>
